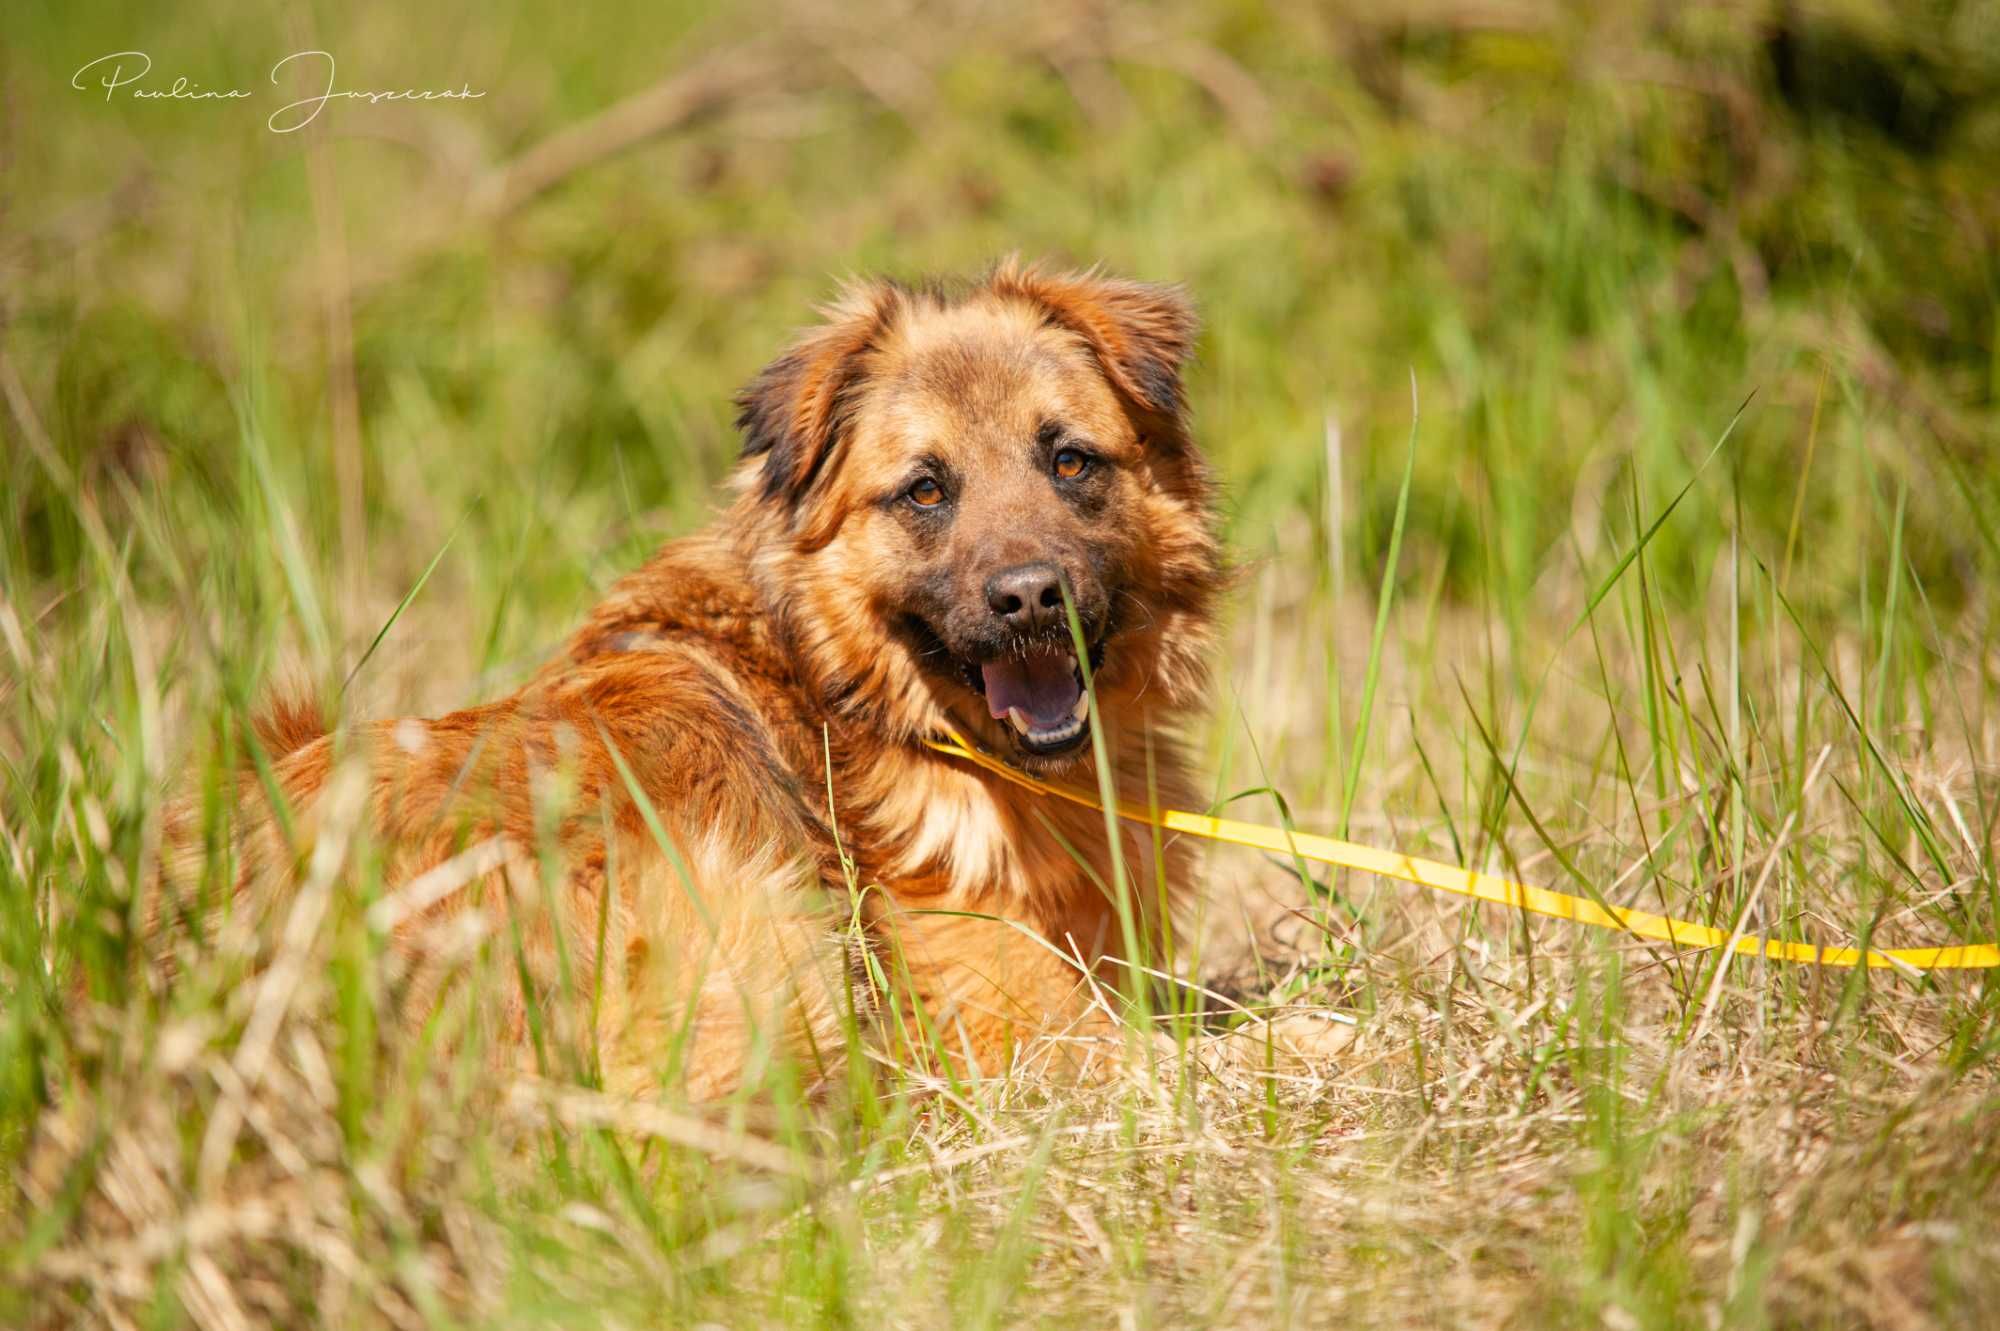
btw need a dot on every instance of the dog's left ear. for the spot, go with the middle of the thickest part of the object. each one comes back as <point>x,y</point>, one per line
<point>1142,333</point>
<point>793,412</point>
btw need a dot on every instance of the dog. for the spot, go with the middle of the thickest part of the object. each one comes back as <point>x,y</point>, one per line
<point>758,854</point>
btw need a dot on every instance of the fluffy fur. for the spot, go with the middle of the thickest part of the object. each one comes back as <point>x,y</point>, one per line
<point>678,748</point>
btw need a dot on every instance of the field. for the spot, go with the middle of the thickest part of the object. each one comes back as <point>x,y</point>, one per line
<point>1607,407</point>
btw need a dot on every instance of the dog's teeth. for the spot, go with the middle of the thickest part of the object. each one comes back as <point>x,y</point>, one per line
<point>1055,734</point>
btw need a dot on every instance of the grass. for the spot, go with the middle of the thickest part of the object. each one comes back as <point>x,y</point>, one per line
<point>360,407</point>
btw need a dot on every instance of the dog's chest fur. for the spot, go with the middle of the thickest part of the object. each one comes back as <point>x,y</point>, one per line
<point>931,831</point>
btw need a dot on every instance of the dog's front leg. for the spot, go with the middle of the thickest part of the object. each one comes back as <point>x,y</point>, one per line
<point>986,994</point>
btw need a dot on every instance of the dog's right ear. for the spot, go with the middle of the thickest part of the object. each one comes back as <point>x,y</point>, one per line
<point>1140,332</point>
<point>792,413</point>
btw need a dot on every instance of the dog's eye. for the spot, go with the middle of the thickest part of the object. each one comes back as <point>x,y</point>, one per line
<point>1070,464</point>
<point>926,493</point>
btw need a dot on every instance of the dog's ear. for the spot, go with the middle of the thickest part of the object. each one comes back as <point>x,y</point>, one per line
<point>1141,333</point>
<point>792,413</point>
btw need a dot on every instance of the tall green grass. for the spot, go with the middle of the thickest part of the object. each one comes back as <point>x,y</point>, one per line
<point>1550,626</point>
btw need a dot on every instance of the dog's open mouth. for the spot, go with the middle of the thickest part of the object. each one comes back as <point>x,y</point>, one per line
<point>1041,696</point>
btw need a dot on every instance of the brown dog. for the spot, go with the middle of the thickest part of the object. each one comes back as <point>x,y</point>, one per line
<point>729,753</point>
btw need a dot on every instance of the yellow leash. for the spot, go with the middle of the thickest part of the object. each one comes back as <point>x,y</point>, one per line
<point>1485,887</point>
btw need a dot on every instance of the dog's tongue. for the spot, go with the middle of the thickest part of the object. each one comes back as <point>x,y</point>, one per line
<point>1043,685</point>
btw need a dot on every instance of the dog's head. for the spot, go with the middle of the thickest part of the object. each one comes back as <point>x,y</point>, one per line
<point>954,473</point>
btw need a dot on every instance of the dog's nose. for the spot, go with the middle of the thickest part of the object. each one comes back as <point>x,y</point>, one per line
<point>1026,596</point>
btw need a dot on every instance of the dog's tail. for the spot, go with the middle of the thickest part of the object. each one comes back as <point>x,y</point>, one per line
<point>290,719</point>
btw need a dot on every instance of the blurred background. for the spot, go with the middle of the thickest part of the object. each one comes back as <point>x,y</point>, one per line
<point>1587,233</point>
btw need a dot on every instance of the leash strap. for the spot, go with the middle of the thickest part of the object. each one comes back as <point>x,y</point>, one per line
<point>1442,877</point>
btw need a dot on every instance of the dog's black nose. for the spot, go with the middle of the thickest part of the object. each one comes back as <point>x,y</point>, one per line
<point>1026,596</point>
